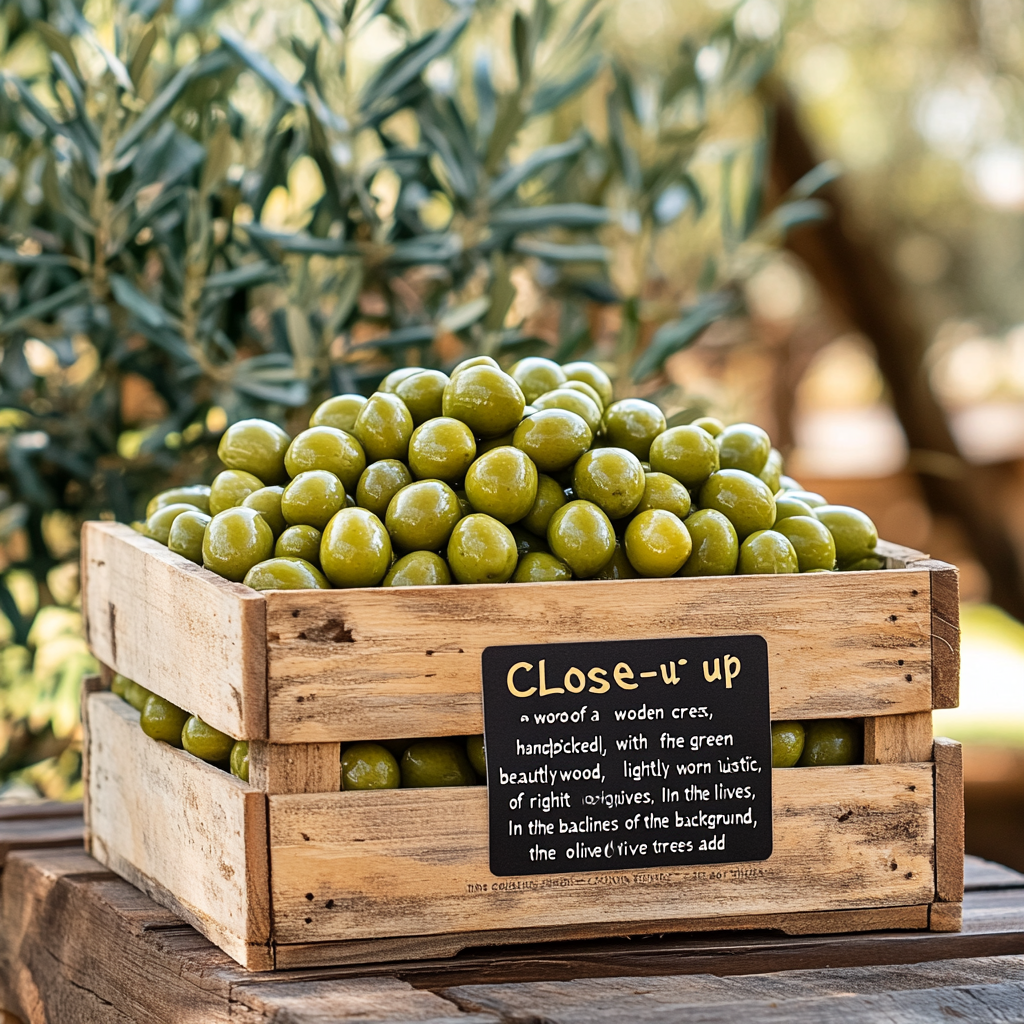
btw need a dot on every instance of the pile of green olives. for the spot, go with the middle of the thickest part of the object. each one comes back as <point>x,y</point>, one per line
<point>817,744</point>
<point>534,474</point>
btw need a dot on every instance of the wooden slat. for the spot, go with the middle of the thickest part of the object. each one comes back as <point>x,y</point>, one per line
<point>949,821</point>
<point>945,581</point>
<point>190,835</point>
<point>894,739</point>
<point>295,767</point>
<point>897,556</point>
<point>176,628</point>
<point>945,917</point>
<point>363,664</point>
<point>413,862</point>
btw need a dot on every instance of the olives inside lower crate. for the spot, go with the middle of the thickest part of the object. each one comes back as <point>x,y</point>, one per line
<point>817,744</point>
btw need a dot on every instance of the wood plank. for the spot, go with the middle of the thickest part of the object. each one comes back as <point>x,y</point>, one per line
<point>363,664</point>
<point>894,739</point>
<point>946,917</point>
<point>190,835</point>
<point>898,556</point>
<point>35,833</point>
<point>945,580</point>
<point>295,767</point>
<point>949,821</point>
<point>90,685</point>
<point>415,862</point>
<point>981,874</point>
<point>176,628</point>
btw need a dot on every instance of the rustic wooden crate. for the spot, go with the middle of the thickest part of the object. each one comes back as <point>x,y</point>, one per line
<point>287,871</point>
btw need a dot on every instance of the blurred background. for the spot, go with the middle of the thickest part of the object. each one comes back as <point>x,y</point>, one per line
<point>805,214</point>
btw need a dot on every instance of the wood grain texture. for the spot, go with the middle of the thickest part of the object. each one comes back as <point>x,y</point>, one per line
<point>190,835</point>
<point>415,862</point>
<point>945,917</point>
<point>176,628</point>
<point>945,581</point>
<point>894,739</point>
<point>90,684</point>
<point>294,767</point>
<point>898,556</point>
<point>949,821</point>
<point>384,663</point>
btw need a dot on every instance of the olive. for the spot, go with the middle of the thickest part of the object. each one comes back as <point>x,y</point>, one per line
<point>197,496</point>
<point>257,447</point>
<point>541,567</point>
<point>423,394</point>
<point>327,448</point>
<point>369,766</point>
<point>807,497</point>
<point>503,484</point>
<point>592,375</point>
<point>397,747</point>
<point>312,498</point>
<point>267,501</point>
<point>286,574</point>
<point>863,564</point>
<point>186,535</point>
<point>584,389</point>
<point>787,483</point>
<point>787,743</point>
<point>742,498</point>
<point>136,695</point>
<point>238,760</point>
<point>395,377</point>
<point>339,412</point>
<point>716,548</point>
<point>786,505</point>
<point>467,364</point>
<point>230,488</point>
<point>743,446</point>
<point>418,569</point>
<point>527,542</point>
<point>854,532</point>
<point>441,449</point>
<point>572,401</point>
<point>482,550</point>
<point>236,540</point>
<point>536,376</point>
<point>475,753</point>
<point>687,453</point>
<point>582,536</point>
<point>383,427</point>
<point>118,683</point>
<point>380,482</point>
<point>428,763</point>
<point>550,498</point>
<point>664,491</point>
<point>299,542</point>
<point>619,568</point>
<point>814,546</point>
<point>771,474</point>
<point>205,742</point>
<point>355,550</point>
<point>657,543</point>
<point>553,438</point>
<point>633,424</point>
<point>422,515</point>
<point>611,478</point>
<point>767,552</point>
<point>162,720</point>
<point>464,505</point>
<point>833,741</point>
<point>158,525</point>
<point>711,424</point>
<point>486,399</point>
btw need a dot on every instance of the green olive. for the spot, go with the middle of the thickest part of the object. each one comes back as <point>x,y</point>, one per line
<point>257,447</point>
<point>299,542</point>
<point>380,482</point>
<point>339,412</point>
<point>619,567</point>
<point>236,540</point>
<point>687,453</point>
<point>267,501</point>
<point>230,488</point>
<point>418,569</point>
<point>486,399</point>
<point>716,548</point>
<point>502,483</point>
<point>592,375</point>
<point>787,483</point>
<point>423,394</point>
<point>527,542</point>
<point>238,760</point>
<point>369,766</point>
<point>863,564</point>
<point>787,743</point>
<point>441,449</point>
<point>584,389</point>
<point>355,550</point>
<point>536,376</point>
<point>540,567</point>
<point>742,498</point>
<point>312,498</point>
<point>397,747</point>
<point>786,505</point>
<point>383,427</point>
<point>205,742</point>
<point>814,546</point>
<point>158,525</point>
<point>743,446</point>
<point>664,491</point>
<point>633,424</point>
<point>119,683</point>
<point>854,532</point>
<point>136,695</point>
<point>553,438</point>
<point>711,424</point>
<point>488,444</point>
<point>771,474</point>
<point>286,574</point>
<point>582,536</point>
<point>468,364</point>
<point>767,552</point>
<point>572,401</point>
<point>421,517</point>
<point>834,741</point>
<point>482,550</point>
<point>197,496</point>
<point>807,497</point>
<point>430,763</point>
<point>330,449</point>
<point>657,543</point>
<point>162,720</point>
<point>611,478</point>
<point>550,498</point>
<point>395,377</point>
<point>475,753</point>
<point>186,535</point>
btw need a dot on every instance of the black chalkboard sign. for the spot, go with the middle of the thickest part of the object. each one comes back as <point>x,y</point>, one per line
<point>627,754</point>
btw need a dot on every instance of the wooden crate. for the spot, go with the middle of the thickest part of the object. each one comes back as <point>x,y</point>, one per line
<point>287,871</point>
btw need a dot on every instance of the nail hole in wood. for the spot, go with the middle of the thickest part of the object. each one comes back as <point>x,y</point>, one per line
<point>909,678</point>
<point>309,896</point>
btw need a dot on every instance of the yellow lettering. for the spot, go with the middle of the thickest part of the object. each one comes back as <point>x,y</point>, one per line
<point>730,672</point>
<point>669,675</point>
<point>511,680</point>
<point>544,691</point>
<point>622,672</point>
<point>711,677</point>
<point>574,673</point>
<point>599,676</point>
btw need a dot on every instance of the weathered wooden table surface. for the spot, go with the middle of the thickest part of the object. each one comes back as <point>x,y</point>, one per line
<point>77,945</point>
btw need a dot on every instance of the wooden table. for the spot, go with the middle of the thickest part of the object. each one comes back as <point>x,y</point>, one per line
<point>78,944</point>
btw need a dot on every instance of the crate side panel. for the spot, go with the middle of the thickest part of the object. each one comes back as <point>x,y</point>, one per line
<point>415,862</point>
<point>356,664</point>
<point>174,627</point>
